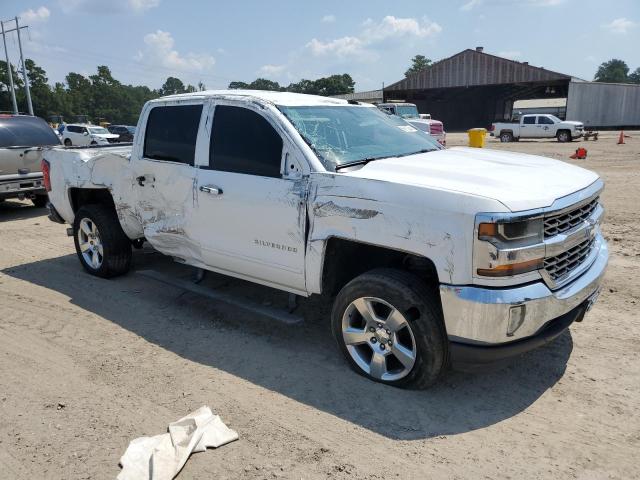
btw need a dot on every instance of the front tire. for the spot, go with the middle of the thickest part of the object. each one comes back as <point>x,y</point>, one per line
<point>102,247</point>
<point>390,329</point>
<point>67,142</point>
<point>564,136</point>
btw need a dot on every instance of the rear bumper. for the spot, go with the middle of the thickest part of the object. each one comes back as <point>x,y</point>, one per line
<point>22,187</point>
<point>481,316</point>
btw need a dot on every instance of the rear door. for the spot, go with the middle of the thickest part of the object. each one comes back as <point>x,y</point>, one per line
<point>164,176</point>
<point>250,217</point>
<point>528,127</point>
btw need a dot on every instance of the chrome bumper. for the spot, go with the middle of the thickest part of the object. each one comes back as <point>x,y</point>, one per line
<point>479,315</point>
<point>21,186</point>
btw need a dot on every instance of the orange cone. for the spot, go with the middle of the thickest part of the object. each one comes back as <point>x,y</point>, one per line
<point>621,138</point>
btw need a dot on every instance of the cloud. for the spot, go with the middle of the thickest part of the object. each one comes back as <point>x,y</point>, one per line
<point>40,14</point>
<point>111,7</point>
<point>159,51</point>
<point>620,25</point>
<point>374,34</point>
<point>328,19</point>
<point>512,54</point>
<point>470,5</point>
<point>272,70</point>
<point>142,5</point>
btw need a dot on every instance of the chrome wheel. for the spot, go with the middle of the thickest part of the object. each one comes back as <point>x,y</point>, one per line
<point>90,243</point>
<point>379,338</point>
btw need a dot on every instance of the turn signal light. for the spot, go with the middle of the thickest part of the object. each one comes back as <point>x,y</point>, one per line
<point>511,269</point>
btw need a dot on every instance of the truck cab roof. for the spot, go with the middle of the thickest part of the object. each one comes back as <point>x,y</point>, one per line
<point>285,99</point>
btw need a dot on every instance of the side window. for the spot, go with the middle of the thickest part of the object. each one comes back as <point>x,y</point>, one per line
<point>171,133</point>
<point>545,121</point>
<point>243,141</point>
<point>529,120</point>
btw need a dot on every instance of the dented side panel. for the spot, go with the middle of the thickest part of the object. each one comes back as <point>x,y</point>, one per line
<point>431,223</point>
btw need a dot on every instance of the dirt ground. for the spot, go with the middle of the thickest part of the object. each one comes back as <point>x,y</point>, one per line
<point>86,365</point>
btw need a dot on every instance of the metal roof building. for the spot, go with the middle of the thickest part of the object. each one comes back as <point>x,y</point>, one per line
<point>474,89</point>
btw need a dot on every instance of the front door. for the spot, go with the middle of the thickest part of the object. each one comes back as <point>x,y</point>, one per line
<point>165,177</point>
<point>250,219</point>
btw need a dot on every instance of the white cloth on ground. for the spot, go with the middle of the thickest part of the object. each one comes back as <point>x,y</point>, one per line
<point>161,457</point>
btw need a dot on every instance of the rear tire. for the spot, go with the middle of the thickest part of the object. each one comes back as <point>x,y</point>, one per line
<point>506,137</point>
<point>401,339</point>
<point>40,201</point>
<point>102,247</point>
<point>67,142</point>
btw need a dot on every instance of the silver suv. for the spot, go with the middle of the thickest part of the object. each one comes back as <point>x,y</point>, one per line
<point>21,140</point>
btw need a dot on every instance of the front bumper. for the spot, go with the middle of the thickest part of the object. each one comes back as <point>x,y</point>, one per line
<point>480,316</point>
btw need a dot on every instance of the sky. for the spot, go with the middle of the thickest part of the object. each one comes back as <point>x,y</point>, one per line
<point>215,42</point>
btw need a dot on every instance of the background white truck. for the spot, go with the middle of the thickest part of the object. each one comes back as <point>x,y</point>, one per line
<point>424,122</point>
<point>431,256</point>
<point>537,126</point>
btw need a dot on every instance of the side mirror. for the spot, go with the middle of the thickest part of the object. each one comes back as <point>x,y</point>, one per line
<point>86,133</point>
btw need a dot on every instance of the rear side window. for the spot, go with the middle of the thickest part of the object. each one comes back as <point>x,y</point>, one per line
<point>529,120</point>
<point>243,141</point>
<point>171,133</point>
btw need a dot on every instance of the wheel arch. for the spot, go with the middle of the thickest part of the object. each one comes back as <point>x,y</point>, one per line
<point>344,259</point>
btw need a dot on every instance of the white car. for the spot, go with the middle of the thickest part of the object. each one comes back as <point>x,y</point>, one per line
<point>431,255</point>
<point>83,135</point>
<point>537,126</point>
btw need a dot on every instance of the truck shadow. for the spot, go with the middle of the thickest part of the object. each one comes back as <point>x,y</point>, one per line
<point>17,210</point>
<point>299,361</point>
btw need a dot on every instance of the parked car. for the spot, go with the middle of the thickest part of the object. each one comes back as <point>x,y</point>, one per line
<point>21,140</point>
<point>125,132</point>
<point>537,126</point>
<point>431,255</point>
<point>424,122</point>
<point>82,135</point>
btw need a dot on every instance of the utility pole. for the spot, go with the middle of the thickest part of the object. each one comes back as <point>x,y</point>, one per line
<point>6,53</point>
<point>24,72</point>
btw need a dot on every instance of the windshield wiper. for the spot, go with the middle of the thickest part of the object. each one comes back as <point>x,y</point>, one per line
<point>362,161</point>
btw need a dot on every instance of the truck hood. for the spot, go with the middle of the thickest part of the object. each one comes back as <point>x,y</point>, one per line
<point>571,123</point>
<point>517,180</point>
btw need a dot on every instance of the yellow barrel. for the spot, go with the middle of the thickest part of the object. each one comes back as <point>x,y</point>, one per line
<point>476,137</point>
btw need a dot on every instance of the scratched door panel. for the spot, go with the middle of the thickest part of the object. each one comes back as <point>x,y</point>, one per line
<point>254,227</point>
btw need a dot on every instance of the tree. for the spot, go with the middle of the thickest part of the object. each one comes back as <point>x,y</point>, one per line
<point>635,76</point>
<point>419,62</point>
<point>613,71</point>
<point>41,94</point>
<point>257,84</point>
<point>172,86</point>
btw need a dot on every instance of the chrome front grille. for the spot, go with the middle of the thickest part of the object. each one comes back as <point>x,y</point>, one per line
<point>556,224</point>
<point>563,264</point>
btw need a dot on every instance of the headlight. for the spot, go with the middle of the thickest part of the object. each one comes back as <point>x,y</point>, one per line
<point>506,248</point>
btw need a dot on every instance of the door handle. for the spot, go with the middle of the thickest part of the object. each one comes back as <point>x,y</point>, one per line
<point>211,189</point>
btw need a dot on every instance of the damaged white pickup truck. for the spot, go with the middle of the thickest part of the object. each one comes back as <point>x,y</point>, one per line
<point>433,256</point>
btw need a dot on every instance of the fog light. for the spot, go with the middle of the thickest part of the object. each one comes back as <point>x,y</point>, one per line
<point>516,319</point>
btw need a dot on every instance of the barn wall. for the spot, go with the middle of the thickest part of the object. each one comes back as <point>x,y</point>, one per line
<point>601,105</point>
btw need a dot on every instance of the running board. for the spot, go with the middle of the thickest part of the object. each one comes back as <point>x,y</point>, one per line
<point>243,303</point>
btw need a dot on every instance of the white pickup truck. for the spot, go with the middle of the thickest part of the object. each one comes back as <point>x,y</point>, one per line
<point>537,126</point>
<point>432,257</point>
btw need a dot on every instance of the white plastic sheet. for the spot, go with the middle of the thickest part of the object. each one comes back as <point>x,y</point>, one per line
<point>161,457</point>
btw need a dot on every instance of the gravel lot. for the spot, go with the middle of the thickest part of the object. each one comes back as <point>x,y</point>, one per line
<point>88,364</point>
